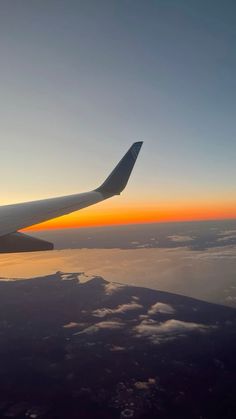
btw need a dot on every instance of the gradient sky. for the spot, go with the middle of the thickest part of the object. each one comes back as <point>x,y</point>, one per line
<point>81,80</point>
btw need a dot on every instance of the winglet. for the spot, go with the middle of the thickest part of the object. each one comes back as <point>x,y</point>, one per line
<point>117,180</point>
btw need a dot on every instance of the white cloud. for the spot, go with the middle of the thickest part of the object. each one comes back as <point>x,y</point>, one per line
<point>113,287</point>
<point>71,325</point>
<point>227,232</point>
<point>123,308</point>
<point>161,308</point>
<point>69,276</point>
<point>127,307</point>
<point>180,238</point>
<point>226,238</point>
<point>171,328</point>
<point>112,325</point>
<point>231,298</point>
<point>143,246</point>
<point>102,312</point>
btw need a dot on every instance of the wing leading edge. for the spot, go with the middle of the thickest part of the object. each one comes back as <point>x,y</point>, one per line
<point>18,216</point>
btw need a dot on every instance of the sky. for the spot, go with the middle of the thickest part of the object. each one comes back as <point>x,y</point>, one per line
<point>81,80</point>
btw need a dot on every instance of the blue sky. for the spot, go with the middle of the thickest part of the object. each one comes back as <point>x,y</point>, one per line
<point>81,80</point>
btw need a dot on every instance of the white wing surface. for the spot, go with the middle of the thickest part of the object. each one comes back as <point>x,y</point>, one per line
<point>18,216</point>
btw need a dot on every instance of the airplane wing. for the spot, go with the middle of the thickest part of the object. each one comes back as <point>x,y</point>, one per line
<point>18,216</point>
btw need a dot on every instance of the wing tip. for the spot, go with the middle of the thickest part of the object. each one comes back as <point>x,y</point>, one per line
<point>118,179</point>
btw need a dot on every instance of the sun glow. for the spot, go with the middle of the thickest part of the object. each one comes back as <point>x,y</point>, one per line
<point>129,213</point>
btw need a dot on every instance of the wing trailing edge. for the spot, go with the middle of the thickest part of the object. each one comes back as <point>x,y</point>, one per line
<point>19,242</point>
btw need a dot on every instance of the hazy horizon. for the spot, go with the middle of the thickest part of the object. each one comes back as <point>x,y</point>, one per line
<point>81,81</point>
<point>193,259</point>
<point>77,227</point>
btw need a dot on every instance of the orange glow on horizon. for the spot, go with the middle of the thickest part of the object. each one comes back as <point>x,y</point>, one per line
<point>103,215</point>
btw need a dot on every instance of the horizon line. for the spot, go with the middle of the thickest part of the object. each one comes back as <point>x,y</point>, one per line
<point>36,228</point>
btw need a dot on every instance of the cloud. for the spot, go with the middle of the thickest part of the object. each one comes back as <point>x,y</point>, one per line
<point>127,307</point>
<point>110,325</point>
<point>102,312</point>
<point>71,325</point>
<point>227,232</point>
<point>70,276</point>
<point>226,238</point>
<point>171,328</point>
<point>180,238</point>
<point>161,308</point>
<point>145,385</point>
<point>143,246</point>
<point>224,252</point>
<point>123,308</point>
<point>116,348</point>
<point>231,298</point>
<point>113,287</point>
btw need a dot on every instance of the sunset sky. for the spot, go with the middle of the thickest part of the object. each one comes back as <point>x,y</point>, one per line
<point>82,80</point>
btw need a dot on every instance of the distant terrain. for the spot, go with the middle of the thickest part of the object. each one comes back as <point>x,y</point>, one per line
<point>199,235</point>
<point>107,350</point>
<point>196,259</point>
